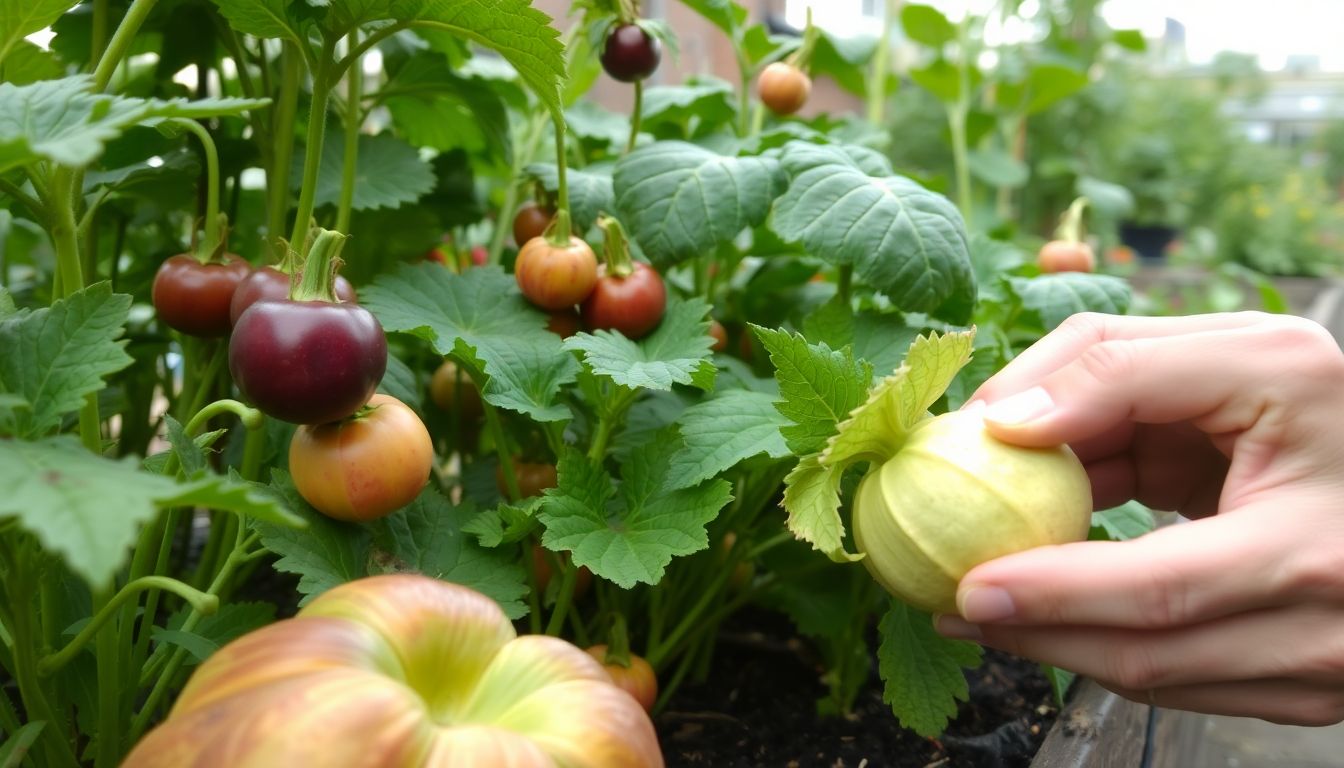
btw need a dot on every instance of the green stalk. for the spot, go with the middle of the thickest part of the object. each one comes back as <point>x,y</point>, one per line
<point>251,418</point>
<point>277,178</point>
<point>956,117</point>
<point>161,686</point>
<point>98,35</point>
<point>845,282</point>
<point>563,600</point>
<point>744,91</point>
<point>533,587</point>
<point>877,78</point>
<point>112,695</point>
<point>318,276</point>
<point>165,529</point>
<point>559,232</point>
<point>354,79</point>
<point>607,422</point>
<point>497,436</point>
<point>120,43</point>
<point>206,604</point>
<point>207,248</point>
<point>535,127</point>
<point>635,116</point>
<point>317,124</point>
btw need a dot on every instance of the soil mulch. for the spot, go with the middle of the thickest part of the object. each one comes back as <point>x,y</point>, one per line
<point>759,711</point>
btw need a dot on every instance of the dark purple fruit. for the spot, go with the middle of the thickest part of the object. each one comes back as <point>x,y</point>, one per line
<point>307,362</point>
<point>630,53</point>
<point>271,283</point>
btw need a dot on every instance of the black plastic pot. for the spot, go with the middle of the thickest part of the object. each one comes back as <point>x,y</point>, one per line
<point>1149,241</point>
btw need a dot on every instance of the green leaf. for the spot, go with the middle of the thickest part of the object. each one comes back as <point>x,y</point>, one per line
<point>1109,199</point>
<point>709,102</point>
<point>430,538</point>
<point>234,494</point>
<point>482,318</point>
<point>599,129</point>
<point>157,462</point>
<point>325,554</point>
<point>7,307</point>
<point>818,386</point>
<point>1048,84</point>
<point>998,168</point>
<point>901,239</point>
<point>1060,682</point>
<point>19,18</point>
<point>261,18</point>
<point>190,457</point>
<point>589,191</point>
<point>181,163</point>
<point>520,33</point>
<point>876,429</point>
<point>845,60</point>
<point>927,25</point>
<point>506,524</point>
<point>922,670</point>
<point>1060,295</point>
<point>628,535</point>
<point>62,121</point>
<point>943,80</point>
<point>230,622</point>
<point>26,63</point>
<point>724,14</point>
<point>680,201</point>
<point>16,747</point>
<point>1127,521</point>
<point>812,499</point>
<point>1131,39</point>
<point>677,352</point>
<point>56,356</point>
<point>399,382</point>
<point>388,172</point>
<point>87,509</point>
<point>723,431</point>
<point>433,106</point>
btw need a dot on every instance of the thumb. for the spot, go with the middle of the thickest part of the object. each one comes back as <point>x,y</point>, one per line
<point>1214,380</point>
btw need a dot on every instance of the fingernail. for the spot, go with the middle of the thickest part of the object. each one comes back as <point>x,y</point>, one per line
<point>957,628</point>
<point>982,604</point>
<point>1020,408</point>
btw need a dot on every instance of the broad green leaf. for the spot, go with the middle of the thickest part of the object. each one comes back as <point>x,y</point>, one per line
<point>234,494</point>
<point>190,456</point>
<point>597,128</point>
<point>26,63</point>
<point>998,168</point>
<point>481,317</point>
<point>589,191</point>
<point>901,239</point>
<point>88,509</point>
<point>20,18</point>
<point>62,121</point>
<point>430,538</point>
<point>723,431</point>
<point>876,429</point>
<point>677,352</point>
<point>388,172</point>
<point>262,18</point>
<point>880,338</point>
<point>927,25</point>
<point>845,60</point>
<point>943,80</point>
<point>433,106</point>
<point>681,201</point>
<point>1050,83</point>
<point>1127,521</point>
<point>1131,39</point>
<point>325,554</point>
<point>7,307</point>
<point>158,462</point>
<point>520,33</point>
<point>181,163</point>
<point>1060,295</point>
<point>629,534</point>
<point>812,499</point>
<point>819,387</point>
<point>15,748</point>
<point>399,382</point>
<point>1109,199</point>
<point>709,103</point>
<point>54,357</point>
<point>993,260</point>
<point>724,14</point>
<point>1060,682</point>
<point>922,670</point>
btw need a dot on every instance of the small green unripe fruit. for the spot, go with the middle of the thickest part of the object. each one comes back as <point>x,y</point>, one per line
<point>955,497</point>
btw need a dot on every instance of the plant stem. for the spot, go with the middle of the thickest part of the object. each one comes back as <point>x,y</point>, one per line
<point>563,600</point>
<point>206,604</point>
<point>607,422</point>
<point>877,77</point>
<point>535,127</point>
<point>120,43</point>
<point>561,226</point>
<point>312,158</point>
<point>635,116</point>
<point>252,418</point>
<point>111,694</point>
<point>497,436</point>
<point>845,282</point>
<point>957,113</point>
<point>277,181</point>
<point>211,241</point>
<point>533,587</point>
<point>354,81</point>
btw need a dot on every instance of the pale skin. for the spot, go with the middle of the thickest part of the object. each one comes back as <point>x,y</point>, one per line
<point>1237,422</point>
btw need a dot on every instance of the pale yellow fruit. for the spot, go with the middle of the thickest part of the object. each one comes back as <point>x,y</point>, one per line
<point>955,497</point>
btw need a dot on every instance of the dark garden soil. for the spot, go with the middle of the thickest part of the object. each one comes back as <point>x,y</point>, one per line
<point>760,712</point>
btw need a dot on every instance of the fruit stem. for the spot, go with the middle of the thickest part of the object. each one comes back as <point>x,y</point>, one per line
<point>317,277</point>
<point>1071,223</point>
<point>120,43</point>
<point>277,180</point>
<point>354,80</point>
<point>211,247</point>
<point>317,124</point>
<point>618,642</point>
<point>802,57</point>
<point>615,247</point>
<point>635,117</point>
<point>558,233</point>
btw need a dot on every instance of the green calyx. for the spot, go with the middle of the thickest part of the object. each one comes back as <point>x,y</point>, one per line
<point>1071,226</point>
<point>802,58</point>
<point>317,277</point>
<point>615,247</point>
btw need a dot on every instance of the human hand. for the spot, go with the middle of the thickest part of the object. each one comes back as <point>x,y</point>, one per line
<point>1236,420</point>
